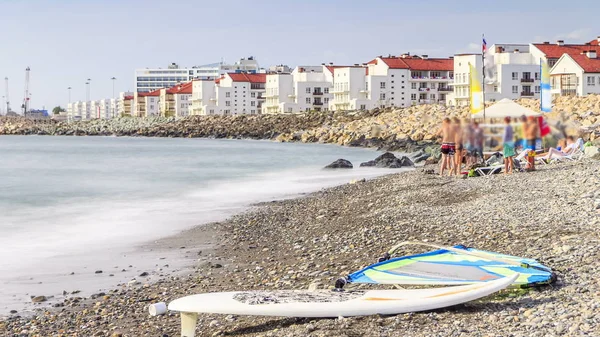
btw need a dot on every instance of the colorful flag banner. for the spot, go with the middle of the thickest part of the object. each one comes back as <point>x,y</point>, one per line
<point>545,95</point>
<point>475,90</point>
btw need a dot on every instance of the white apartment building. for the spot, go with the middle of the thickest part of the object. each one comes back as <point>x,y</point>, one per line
<point>392,81</point>
<point>95,110</point>
<point>576,75</point>
<point>175,101</point>
<point>234,94</point>
<point>551,52</point>
<point>203,97</point>
<point>514,74</point>
<point>105,109</point>
<point>307,88</point>
<point>146,104</point>
<point>150,79</point>
<point>124,104</point>
<point>74,111</point>
<point>349,89</point>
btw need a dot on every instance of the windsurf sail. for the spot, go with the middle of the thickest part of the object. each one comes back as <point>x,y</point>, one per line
<point>451,266</point>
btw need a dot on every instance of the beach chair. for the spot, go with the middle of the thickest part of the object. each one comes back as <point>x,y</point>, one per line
<point>488,170</point>
<point>576,154</point>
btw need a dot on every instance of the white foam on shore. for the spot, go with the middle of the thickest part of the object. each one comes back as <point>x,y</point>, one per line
<point>82,237</point>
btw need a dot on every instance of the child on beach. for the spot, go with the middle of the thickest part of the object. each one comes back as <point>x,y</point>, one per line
<point>509,146</point>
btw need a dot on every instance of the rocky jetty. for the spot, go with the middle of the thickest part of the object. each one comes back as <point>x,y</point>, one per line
<point>311,241</point>
<point>407,130</point>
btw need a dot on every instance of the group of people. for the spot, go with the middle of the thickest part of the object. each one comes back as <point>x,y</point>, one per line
<point>463,142</point>
<point>460,142</point>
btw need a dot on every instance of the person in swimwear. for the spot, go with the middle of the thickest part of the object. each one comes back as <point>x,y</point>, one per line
<point>447,149</point>
<point>531,131</point>
<point>458,140</point>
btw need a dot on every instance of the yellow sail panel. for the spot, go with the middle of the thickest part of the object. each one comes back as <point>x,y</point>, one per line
<point>475,90</point>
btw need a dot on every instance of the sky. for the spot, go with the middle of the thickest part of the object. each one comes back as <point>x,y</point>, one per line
<point>65,42</point>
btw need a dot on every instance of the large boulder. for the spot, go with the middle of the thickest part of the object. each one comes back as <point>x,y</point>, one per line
<point>340,163</point>
<point>592,152</point>
<point>388,160</point>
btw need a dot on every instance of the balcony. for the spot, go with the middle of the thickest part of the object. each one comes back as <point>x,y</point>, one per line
<point>318,93</point>
<point>318,103</point>
<point>526,94</point>
<point>426,89</point>
<point>445,89</point>
<point>263,97</point>
<point>527,80</point>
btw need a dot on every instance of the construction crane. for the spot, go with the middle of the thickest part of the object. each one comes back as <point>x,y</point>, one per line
<point>7,97</point>
<point>25,104</point>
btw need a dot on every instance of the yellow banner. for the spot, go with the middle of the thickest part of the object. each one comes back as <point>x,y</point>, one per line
<point>476,94</point>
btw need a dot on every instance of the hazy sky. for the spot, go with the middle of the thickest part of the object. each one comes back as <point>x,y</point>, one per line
<point>67,41</point>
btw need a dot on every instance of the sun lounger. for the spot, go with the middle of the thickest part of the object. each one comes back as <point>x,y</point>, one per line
<point>489,170</point>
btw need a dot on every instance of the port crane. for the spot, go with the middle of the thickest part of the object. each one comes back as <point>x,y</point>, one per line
<point>7,97</point>
<point>25,104</point>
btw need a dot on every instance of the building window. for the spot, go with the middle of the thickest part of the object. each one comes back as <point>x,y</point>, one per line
<point>253,94</point>
<point>326,100</point>
<point>515,76</point>
<point>366,86</point>
<point>495,88</point>
<point>253,111</point>
<point>413,86</point>
<point>227,103</point>
<point>382,85</point>
<point>326,90</point>
<point>151,107</point>
<point>308,90</point>
<point>591,80</point>
<point>307,100</point>
<point>537,89</point>
<point>382,96</point>
<point>392,75</point>
<point>307,109</point>
<point>413,97</point>
<point>537,76</point>
<point>363,107</point>
<point>227,94</point>
<point>432,96</point>
<point>253,103</point>
<point>515,89</point>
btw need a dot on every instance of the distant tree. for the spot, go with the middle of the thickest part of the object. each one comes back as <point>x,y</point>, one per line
<point>57,110</point>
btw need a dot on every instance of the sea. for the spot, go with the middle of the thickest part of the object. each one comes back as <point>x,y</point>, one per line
<point>70,206</point>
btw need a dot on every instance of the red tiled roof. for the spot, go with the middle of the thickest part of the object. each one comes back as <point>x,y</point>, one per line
<point>417,63</point>
<point>554,51</point>
<point>185,88</point>
<point>153,93</point>
<point>594,42</point>
<point>244,77</point>
<point>218,80</point>
<point>127,98</point>
<point>589,65</point>
<point>332,68</point>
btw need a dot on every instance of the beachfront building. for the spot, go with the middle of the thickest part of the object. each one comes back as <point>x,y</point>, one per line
<point>74,111</point>
<point>512,72</point>
<point>105,109</point>
<point>238,94</point>
<point>551,52</point>
<point>306,88</point>
<point>350,90</point>
<point>95,109</point>
<point>576,75</point>
<point>124,104</point>
<point>150,79</point>
<point>145,104</point>
<point>203,101</point>
<point>175,101</point>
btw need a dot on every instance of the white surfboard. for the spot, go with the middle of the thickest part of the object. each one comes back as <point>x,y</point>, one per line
<point>327,303</point>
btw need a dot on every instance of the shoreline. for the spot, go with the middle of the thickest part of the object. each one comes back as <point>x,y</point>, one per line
<point>143,262</point>
<point>277,246</point>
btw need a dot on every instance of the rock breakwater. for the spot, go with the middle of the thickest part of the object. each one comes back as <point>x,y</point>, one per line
<point>404,129</point>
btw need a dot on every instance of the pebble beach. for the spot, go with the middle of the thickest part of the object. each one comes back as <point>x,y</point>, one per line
<point>552,215</point>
